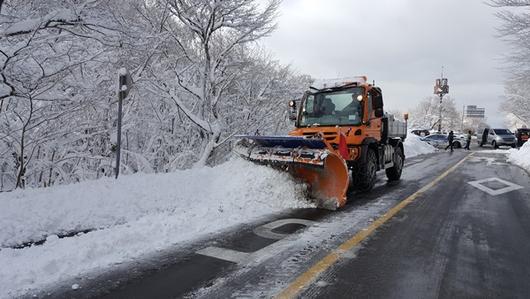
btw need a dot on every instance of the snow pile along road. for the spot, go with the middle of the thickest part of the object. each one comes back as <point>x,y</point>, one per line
<point>414,146</point>
<point>133,216</point>
<point>520,156</point>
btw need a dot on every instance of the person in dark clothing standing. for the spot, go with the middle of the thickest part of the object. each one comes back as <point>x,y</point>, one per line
<point>468,140</point>
<point>450,138</point>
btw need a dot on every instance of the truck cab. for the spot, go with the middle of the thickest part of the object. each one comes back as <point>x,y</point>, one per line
<point>353,110</point>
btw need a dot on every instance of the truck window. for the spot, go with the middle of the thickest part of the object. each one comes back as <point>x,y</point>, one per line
<point>327,108</point>
<point>309,104</point>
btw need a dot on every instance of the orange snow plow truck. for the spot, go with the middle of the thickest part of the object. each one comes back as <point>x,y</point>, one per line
<point>341,139</point>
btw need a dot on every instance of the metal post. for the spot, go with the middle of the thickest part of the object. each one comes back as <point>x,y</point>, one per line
<point>118,137</point>
<point>440,88</point>
<point>440,123</point>
<point>123,91</point>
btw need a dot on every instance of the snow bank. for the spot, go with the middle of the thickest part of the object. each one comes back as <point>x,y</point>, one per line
<point>133,216</point>
<point>521,156</point>
<point>414,146</point>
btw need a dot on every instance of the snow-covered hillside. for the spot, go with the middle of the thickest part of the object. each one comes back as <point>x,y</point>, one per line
<point>130,217</point>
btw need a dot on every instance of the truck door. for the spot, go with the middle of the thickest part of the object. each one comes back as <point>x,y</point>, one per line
<point>374,128</point>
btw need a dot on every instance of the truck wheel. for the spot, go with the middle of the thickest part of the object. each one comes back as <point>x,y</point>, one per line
<point>394,173</point>
<point>494,144</point>
<point>364,175</point>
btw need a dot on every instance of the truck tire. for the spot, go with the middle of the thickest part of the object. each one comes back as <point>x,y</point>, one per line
<point>365,174</point>
<point>494,144</point>
<point>394,173</point>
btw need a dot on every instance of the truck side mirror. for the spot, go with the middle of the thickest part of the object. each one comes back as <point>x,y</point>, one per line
<point>292,110</point>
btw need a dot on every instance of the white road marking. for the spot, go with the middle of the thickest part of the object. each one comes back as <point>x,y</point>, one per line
<point>489,160</point>
<point>264,231</point>
<point>225,254</point>
<point>509,186</point>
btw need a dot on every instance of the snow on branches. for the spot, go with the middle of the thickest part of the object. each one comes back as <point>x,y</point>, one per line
<point>199,78</point>
<point>515,29</point>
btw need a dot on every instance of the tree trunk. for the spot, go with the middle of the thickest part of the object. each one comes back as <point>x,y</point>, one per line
<point>208,150</point>
<point>51,169</point>
<point>22,166</point>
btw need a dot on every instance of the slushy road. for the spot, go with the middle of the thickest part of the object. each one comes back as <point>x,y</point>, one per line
<point>456,225</point>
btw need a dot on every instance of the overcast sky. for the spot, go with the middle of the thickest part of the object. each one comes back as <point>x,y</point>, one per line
<point>401,44</point>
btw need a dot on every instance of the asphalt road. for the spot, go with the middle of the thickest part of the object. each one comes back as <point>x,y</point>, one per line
<point>457,237</point>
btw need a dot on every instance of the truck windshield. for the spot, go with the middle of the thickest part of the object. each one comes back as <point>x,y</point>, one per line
<point>332,108</point>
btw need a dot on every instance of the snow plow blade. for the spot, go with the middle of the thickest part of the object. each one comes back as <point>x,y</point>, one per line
<point>308,159</point>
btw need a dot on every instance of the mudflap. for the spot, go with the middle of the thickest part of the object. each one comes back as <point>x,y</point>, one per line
<point>328,184</point>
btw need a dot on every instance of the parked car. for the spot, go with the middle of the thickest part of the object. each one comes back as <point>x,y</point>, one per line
<point>421,133</point>
<point>440,140</point>
<point>436,140</point>
<point>522,135</point>
<point>460,140</point>
<point>497,137</point>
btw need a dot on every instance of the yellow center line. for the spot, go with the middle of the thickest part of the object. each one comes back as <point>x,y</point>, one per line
<point>308,277</point>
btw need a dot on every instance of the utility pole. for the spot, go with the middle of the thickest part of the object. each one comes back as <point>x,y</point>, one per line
<point>123,91</point>
<point>441,88</point>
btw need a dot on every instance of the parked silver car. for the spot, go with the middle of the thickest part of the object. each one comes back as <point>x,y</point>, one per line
<point>497,137</point>
<point>440,140</point>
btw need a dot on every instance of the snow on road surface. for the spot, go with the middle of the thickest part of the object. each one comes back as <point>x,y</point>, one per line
<point>131,217</point>
<point>520,156</point>
<point>414,146</point>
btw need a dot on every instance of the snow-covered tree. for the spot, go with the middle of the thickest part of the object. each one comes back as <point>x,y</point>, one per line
<point>515,29</point>
<point>517,103</point>
<point>212,36</point>
<point>44,47</point>
<point>426,114</point>
<point>199,76</point>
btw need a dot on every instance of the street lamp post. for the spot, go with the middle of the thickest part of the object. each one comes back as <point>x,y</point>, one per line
<point>123,91</point>
<point>441,88</point>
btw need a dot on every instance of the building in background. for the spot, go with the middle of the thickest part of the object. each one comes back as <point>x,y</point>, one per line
<point>472,111</point>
